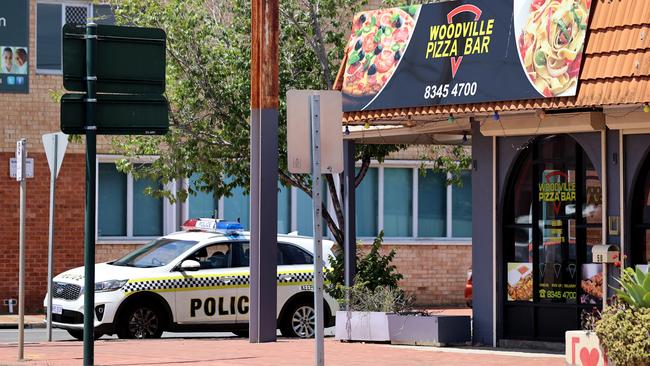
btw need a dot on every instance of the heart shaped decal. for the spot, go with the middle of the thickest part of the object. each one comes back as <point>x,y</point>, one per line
<point>589,358</point>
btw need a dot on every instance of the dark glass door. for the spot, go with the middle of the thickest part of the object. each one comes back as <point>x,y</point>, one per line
<point>552,218</point>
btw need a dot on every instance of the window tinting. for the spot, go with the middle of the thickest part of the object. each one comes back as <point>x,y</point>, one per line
<point>461,207</point>
<point>111,201</point>
<point>398,202</point>
<point>432,204</point>
<point>201,204</point>
<point>147,210</point>
<point>236,207</point>
<point>294,255</point>
<point>366,196</point>
<point>48,36</point>
<point>284,209</point>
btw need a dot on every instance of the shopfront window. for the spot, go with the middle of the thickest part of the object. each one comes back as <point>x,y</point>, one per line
<point>640,248</point>
<point>553,219</point>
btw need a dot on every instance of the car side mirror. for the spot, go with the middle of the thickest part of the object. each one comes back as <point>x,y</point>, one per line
<point>190,265</point>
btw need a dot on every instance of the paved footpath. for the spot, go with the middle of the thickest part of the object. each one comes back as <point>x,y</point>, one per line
<point>239,352</point>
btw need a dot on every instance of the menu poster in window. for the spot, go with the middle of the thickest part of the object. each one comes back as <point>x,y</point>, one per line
<point>14,46</point>
<point>520,281</point>
<point>591,283</point>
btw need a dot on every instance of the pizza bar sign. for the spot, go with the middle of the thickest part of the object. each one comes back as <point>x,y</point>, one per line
<point>464,51</point>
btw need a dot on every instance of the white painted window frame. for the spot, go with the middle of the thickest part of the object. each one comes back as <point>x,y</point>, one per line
<point>169,210</point>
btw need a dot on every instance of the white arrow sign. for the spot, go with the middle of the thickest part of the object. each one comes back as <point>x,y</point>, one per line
<point>55,145</point>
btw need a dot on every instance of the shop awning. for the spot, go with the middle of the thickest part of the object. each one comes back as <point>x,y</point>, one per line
<point>616,71</point>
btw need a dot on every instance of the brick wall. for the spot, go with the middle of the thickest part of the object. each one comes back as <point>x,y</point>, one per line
<point>109,252</point>
<point>68,225</point>
<point>435,274</point>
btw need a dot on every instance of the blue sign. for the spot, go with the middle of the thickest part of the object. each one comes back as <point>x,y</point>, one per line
<point>14,46</point>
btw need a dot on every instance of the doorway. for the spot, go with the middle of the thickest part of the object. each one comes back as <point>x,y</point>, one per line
<point>552,218</point>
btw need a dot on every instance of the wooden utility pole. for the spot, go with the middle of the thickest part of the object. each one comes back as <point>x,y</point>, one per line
<point>264,169</point>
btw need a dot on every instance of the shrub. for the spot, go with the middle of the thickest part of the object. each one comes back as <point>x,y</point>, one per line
<point>373,270</point>
<point>624,332</point>
<point>382,298</point>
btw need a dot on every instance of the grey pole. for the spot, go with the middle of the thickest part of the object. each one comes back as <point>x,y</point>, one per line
<point>349,201</point>
<point>50,243</point>
<point>21,252</point>
<point>318,229</point>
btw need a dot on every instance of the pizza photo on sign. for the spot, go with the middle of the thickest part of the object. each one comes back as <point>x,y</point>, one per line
<point>550,38</point>
<point>377,44</point>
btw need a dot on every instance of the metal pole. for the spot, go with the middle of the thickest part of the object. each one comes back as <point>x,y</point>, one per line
<point>604,286</point>
<point>89,232</point>
<point>318,229</point>
<point>50,243</point>
<point>21,255</point>
<point>264,169</point>
<point>350,236</point>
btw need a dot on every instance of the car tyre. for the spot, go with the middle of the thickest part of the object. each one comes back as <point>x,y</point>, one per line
<point>299,320</point>
<point>78,334</point>
<point>141,321</point>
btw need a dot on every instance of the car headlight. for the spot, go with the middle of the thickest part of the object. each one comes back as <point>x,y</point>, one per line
<point>110,285</point>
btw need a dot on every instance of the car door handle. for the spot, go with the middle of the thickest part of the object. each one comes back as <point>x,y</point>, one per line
<point>226,280</point>
<point>286,277</point>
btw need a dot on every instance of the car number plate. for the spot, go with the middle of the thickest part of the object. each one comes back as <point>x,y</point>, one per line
<point>57,309</point>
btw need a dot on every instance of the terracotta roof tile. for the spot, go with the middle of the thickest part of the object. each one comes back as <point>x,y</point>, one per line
<point>616,68</point>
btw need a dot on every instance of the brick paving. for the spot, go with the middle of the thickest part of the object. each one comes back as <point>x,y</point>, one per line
<point>239,352</point>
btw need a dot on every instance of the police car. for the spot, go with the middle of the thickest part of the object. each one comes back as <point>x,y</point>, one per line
<point>195,279</point>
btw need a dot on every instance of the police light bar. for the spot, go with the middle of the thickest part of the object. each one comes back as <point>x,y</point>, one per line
<point>212,225</point>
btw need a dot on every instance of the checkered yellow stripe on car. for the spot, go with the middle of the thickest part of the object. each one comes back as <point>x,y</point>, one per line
<point>188,283</point>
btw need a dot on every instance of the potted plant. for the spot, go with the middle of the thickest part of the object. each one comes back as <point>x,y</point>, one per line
<point>621,334</point>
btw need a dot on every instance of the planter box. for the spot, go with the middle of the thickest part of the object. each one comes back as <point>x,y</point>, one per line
<point>402,329</point>
<point>435,330</point>
<point>582,348</point>
<point>362,326</point>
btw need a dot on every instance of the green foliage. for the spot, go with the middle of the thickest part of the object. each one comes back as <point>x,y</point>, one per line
<point>449,159</point>
<point>385,299</point>
<point>374,270</point>
<point>624,332</point>
<point>635,288</point>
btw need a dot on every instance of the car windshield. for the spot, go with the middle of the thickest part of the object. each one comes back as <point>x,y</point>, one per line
<point>155,254</point>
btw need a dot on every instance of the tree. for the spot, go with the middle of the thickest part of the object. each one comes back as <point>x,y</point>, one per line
<point>208,87</point>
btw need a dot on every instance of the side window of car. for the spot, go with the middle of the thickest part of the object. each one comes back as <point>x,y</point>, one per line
<point>291,254</point>
<point>213,256</point>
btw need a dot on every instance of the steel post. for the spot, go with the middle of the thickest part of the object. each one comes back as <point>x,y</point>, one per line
<point>50,241</point>
<point>318,227</point>
<point>21,252</point>
<point>89,231</point>
<point>349,201</point>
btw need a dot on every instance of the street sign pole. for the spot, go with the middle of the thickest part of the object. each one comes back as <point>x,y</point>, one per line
<point>50,242</point>
<point>89,232</point>
<point>21,175</point>
<point>318,229</point>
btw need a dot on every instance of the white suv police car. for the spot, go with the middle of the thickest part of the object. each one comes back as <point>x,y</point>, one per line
<point>195,279</point>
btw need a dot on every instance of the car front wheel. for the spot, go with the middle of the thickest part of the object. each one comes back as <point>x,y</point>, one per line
<point>300,321</point>
<point>141,322</point>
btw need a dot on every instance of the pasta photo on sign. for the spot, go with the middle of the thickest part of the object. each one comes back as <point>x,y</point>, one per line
<point>550,38</point>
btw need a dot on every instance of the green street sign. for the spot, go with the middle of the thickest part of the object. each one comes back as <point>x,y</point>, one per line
<point>116,114</point>
<point>130,60</point>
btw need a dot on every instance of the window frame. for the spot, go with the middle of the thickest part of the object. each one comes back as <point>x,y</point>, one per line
<point>90,9</point>
<point>168,210</point>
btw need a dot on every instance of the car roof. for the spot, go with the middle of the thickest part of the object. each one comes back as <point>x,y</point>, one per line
<point>204,237</point>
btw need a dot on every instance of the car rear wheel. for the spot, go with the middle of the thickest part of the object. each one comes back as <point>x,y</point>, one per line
<point>79,334</point>
<point>141,322</point>
<point>300,321</point>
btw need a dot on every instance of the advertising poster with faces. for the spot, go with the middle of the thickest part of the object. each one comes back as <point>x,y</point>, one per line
<point>14,46</point>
